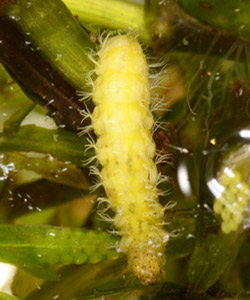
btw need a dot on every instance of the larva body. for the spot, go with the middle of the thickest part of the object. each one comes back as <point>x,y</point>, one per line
<point>125,149</point>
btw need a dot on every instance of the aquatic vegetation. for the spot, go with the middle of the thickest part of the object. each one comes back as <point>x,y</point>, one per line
<point>124,149</point>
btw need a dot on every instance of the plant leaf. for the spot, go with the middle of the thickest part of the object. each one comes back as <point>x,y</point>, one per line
<point>209,260</point>
<point>125,15</point>
<point>32,244</point>
<point>49,168</point>
<point>43,271</point>
<point>58,36</point>
<point>4,296</point>
<point>14,122</point>
<point>228,15</point>
<point>64,145</point>
<point>82,280</point>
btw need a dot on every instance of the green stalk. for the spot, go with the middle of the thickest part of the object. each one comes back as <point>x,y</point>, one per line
<point>13,123</point>
<point>230,15</point>
<point>114,14</point>
<point>45,50</point>
<point>51,30</point>
<point>43,195</point>
<point>3,78</point>
<point>61,144</point>
<point>49,168</point>
<point>35,244</point>
<point>4,296</point>
<point>210,259</point>
<point>81,280</point>
<point>174,29</point>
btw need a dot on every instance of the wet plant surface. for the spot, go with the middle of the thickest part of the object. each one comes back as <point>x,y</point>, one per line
<point>52,227</point>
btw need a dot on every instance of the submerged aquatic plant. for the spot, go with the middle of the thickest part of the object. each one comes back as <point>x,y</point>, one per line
<point>194,242</point>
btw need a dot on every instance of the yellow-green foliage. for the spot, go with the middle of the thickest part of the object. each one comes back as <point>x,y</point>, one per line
<point>232,202</point>
<point>122,122</point>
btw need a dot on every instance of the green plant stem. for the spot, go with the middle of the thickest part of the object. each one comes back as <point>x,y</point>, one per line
<point>230,15</point>
<point>114,14</point>
<point>210,258</point>
<point>3,78</point>
<point>4,296</point>
<point>173,29</point>
<point>37,78</point>
<point>35,244</point>
<point>43,194</point>
<point>82,280</point>
<point>62,144</point>
<point>49,168</point>
<point>46,51</point>
<point>51,29</point>
<point>14,122</point>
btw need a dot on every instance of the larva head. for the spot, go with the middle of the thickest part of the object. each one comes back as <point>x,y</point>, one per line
<point>146,265</point>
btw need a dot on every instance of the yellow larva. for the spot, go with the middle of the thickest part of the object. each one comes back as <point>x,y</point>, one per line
<point>125,149</point>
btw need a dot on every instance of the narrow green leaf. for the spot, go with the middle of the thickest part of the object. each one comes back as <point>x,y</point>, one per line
<point>53,29</point>
<point>3,78</point>
<point>115,14</point>
<point>166,291</point>
<point>210,259</point>
<point>46,51</point>
<point>40,195</point>
<point>43,271</point>
<point>82,280</point>
<point>4,296</point>
<point>14,122</point>
<point>20,244</point>
<point>228,15</point>
<point>62,144</point>
<point>179,247</point>
<point>122,294</point>
<point>49,168</point>
<point>182,223</point>
<point>172,28</point>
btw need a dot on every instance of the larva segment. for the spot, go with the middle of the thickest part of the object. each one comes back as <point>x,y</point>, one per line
<point>122,122</point>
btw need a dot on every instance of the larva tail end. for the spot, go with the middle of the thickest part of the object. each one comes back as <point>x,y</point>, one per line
<point>146,266</point>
